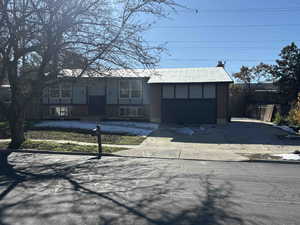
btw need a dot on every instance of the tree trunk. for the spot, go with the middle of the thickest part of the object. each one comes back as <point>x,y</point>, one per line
<point>16,124</point>
<point>17,133</point>
<point>4,159</point>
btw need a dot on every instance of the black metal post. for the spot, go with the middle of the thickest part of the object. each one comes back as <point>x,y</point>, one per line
<point>98,132</point>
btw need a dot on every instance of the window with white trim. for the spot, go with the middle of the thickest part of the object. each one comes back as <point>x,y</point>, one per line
<point>54,92</point>
<point>131,111</point>
<point>61,91</point>
<point>66,91</point>
<point>61,111</point>
<point>130,89</point>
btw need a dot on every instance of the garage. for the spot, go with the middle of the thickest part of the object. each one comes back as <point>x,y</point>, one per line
<point>189,103</point>
<point>190,96</point>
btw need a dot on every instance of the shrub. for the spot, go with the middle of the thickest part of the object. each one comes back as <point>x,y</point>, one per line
<point>279,119</point>
<point>294,114</point>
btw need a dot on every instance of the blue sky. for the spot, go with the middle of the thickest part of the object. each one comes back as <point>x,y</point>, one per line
<point>222,30</point>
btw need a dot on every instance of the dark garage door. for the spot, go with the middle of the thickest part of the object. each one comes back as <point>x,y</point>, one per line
<point>182,111</point>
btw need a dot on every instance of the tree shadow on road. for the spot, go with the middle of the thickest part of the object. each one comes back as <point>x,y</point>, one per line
<point>114,191</point>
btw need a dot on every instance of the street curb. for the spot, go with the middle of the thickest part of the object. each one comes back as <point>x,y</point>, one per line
<point>144,157</point>
<point>33,151</point>
<point>273,161</point>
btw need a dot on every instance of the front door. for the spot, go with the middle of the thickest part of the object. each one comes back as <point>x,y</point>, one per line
<point>96,105</point>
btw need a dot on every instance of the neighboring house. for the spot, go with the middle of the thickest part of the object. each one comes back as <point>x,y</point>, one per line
<point>185,95</point>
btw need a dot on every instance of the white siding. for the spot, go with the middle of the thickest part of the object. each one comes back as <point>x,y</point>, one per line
<point>112,94</point>
<point>181,91</point>
<point>168,91</point>
<point>209,91</point>
<point>79,95</point>
<point>196,91</point>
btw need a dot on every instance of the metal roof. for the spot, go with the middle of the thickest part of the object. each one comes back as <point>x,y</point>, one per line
<point>108,74</point>
<point>190,75</point>
<point>177,75</point>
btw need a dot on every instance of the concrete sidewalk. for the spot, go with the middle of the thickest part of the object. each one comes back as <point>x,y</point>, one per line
<point>163,148</point>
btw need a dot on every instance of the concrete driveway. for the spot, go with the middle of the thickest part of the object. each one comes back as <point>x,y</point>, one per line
<point>216,142</point>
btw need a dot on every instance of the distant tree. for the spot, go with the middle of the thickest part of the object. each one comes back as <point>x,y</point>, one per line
<point>287,72</point>
<point>245,75</point>
<point>36,35</point>
<point>256,74</point>
<point>262,73</point>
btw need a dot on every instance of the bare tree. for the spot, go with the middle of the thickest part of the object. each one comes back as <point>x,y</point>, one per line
<point>35,35</point>
<point>255,74</point>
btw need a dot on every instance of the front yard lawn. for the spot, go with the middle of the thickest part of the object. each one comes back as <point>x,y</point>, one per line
<point>72,135</point>
<point>83,137</point>
<point>58,147</point>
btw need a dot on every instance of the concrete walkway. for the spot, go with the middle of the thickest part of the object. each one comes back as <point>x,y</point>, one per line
<point>77,143</point>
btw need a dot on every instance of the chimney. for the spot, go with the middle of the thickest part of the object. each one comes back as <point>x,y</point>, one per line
<point>221,64</point>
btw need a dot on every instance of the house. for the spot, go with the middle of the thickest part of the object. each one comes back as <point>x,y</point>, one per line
<point>184,95</point>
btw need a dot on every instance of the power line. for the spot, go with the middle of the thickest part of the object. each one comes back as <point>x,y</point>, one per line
<point>227,26</point>
<point>235,60</point>
<point>226,47</point>
<point>206,41</point>
<point>245,10</point>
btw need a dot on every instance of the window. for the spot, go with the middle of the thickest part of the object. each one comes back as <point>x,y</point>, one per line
<point>130,89</point>
<point>54,92</point>
<point>209,91</point>
<point>60,111</point>
<point>181,91</point>
<point>136,91</point>
<point>66,91</point>
<point>168,91</point>
<point>61,91</point>
<point>124,89</point>
<point>196,91</point>
<point>131,111</point>
<point>45,92</point>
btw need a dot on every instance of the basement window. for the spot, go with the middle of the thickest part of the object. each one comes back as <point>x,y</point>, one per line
<point>131,111</point>
<point>60,111</point>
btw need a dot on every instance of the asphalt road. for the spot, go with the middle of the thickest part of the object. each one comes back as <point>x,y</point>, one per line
<point>56,189</point>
